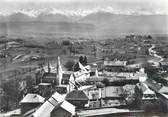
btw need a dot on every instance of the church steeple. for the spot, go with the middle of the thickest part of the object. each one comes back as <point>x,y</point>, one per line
<point>49,69</point>
<point>59,71</point>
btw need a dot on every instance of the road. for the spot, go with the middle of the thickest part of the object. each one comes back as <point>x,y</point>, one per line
<point>157,58</point>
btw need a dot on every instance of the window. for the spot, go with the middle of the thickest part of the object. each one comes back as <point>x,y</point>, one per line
<point>149,96</point>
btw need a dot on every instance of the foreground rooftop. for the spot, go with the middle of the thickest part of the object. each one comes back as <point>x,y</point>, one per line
<point>103,111</point>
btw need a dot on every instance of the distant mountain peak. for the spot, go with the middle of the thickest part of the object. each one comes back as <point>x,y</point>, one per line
<point>54,14</point>
<point>79,13</point>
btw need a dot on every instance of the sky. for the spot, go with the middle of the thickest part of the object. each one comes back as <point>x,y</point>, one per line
<point>160,6</point>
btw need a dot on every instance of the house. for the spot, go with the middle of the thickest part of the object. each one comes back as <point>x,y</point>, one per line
<point>163,90</point>
<point>31,101</point>
<point>93,70</point>
<point>49,77</point>
<point>142,76</point>
<point>152,84</point>
<point>62,89</point>
<point>55,106</point>
<point>77,66</point>
<point>143,93</point>
<point>114,66</point>
<point>65,77</point>
<point>77,98</point>
<point>82,74</point>
<point>129,93</point>
<point>94,95</point>
<point>95,104</point>
<point>112,96</point>
<point>45,89</point>
<point>133,67</point>
<point>129,89</point>
<point>113,92</point>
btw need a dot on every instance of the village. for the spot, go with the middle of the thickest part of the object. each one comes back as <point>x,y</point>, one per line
<point>125,76</point>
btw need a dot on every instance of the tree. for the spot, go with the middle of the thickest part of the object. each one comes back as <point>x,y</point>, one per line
<point>12,93</point>
<point>149,37</point>
<point>81,59</point>
<point>99,85</point>
<point>106,81</point>
<point>85,61</point>
<point>66,43</point>
<point>69,64</point>
<point>30,81</point>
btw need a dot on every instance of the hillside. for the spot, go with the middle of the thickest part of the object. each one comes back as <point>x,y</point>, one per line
<point>112,23</point>
<point>94,24</point>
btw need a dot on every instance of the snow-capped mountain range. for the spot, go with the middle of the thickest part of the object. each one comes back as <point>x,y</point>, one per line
<point>96,21</point>
<point>82,13</point>
<point>55,15</point>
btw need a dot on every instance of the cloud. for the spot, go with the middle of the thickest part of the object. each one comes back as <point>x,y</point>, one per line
<point>26,1</point>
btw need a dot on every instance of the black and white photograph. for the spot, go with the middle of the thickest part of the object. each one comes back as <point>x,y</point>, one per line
<point>83,58</point>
